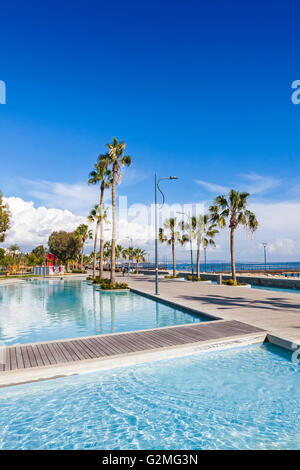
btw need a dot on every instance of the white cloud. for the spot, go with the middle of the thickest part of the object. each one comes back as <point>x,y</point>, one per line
<point>32,226</point>
<point>279,225</point>
<point>254,184</point>
<point>215,188</point>
<point>77,197</point>
<point>259,183</point>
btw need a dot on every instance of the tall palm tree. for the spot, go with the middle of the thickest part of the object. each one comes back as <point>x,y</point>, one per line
<point>139,256</point>
<point>116,158</point>
<point>170,233</point>
<point>232,210</point>
<point>103,176</point>
<point>84,234</point>
<point>203,231</point>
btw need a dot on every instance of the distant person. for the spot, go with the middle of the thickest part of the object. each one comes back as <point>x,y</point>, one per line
<point>123,270</point>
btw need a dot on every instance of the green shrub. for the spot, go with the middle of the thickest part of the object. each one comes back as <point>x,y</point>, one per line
<point>105,284</point>
<point>230,282</point>
<point>190,278</point>
<point>168,276</point>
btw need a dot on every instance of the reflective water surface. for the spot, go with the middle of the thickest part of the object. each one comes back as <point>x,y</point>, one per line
<point>43,310</point>
<point>242,398</point>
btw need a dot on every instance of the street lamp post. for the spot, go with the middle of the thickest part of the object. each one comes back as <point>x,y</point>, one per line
<point>191,242</point>
<point>265,244</point>
<point>156,187</point>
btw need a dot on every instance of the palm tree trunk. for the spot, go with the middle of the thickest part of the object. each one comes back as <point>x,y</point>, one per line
<point>82,250</point>
<point>232,255</point>
<point>173,255</point>
<point>114,226</point>
<point>198,262</point>
<point>137,267</point>
<point>95,250</point>
<point>101,231</point>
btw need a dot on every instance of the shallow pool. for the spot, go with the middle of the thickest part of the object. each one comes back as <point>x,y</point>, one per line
<point>242,398</point>
<point>277,289</point>
<point>49,310</point>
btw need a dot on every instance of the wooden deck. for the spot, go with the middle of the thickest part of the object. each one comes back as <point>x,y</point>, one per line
<point>52,353</point>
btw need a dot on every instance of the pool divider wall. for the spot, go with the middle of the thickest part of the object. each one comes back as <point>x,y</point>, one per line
<point>286,283</point>
<point>170,303</point>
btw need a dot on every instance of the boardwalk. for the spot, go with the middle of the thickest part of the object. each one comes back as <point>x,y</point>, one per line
<point>41,355</point>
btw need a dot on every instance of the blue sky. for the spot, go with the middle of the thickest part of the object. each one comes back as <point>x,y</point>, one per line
<point>197,89</point>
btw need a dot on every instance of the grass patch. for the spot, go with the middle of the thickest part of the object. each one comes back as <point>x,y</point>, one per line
<point>106,284</point>
<point>230,282</point>
<point>190,278</point>
<point>168,276</point>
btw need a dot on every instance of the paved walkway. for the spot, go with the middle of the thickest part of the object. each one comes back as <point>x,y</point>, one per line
<point>276,312</point>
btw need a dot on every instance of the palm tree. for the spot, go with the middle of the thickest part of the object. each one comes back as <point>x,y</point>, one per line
<point>107,251</point>
<point>102,175</point>
<point>139,256</point>
<point>117,160</point>
<point>119,250</point>
<point>203,231</point>
<point>170,233</point>
<point>83,233</point>
<point>14,249</point>
<point>232,210</point>
<point>94,216</point>
<point>128,253</point>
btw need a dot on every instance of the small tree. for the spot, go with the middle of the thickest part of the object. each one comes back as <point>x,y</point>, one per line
<point>64,245</point>
<point>203,232</point>
<point>83,233</point>
<point>139,256</point>
<point>170,233</point>
<point>5,216</point>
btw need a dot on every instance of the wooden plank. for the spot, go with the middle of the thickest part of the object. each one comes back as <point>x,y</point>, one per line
<point>99,347</point>
<point>108,346</point>
<point>43,355</point>
<point>31,356</point>
<point>25,357</point>
<point>37,355</point>
<point>46,354</point>
<point>59,353</point>
<point>79,350</point>
<point>88,350</point>
<point>13,358</point>
<point>50,353</point>
<point>20,362</point>
<point>69,355</point>
<point>7,360</point>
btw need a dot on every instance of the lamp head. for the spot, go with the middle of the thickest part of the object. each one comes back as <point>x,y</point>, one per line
<point>173,177</point>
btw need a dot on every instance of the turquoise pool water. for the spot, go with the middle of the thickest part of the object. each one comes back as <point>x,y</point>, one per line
<point>242,398</point>
<point>48,310</point>
<point>277,289</point>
